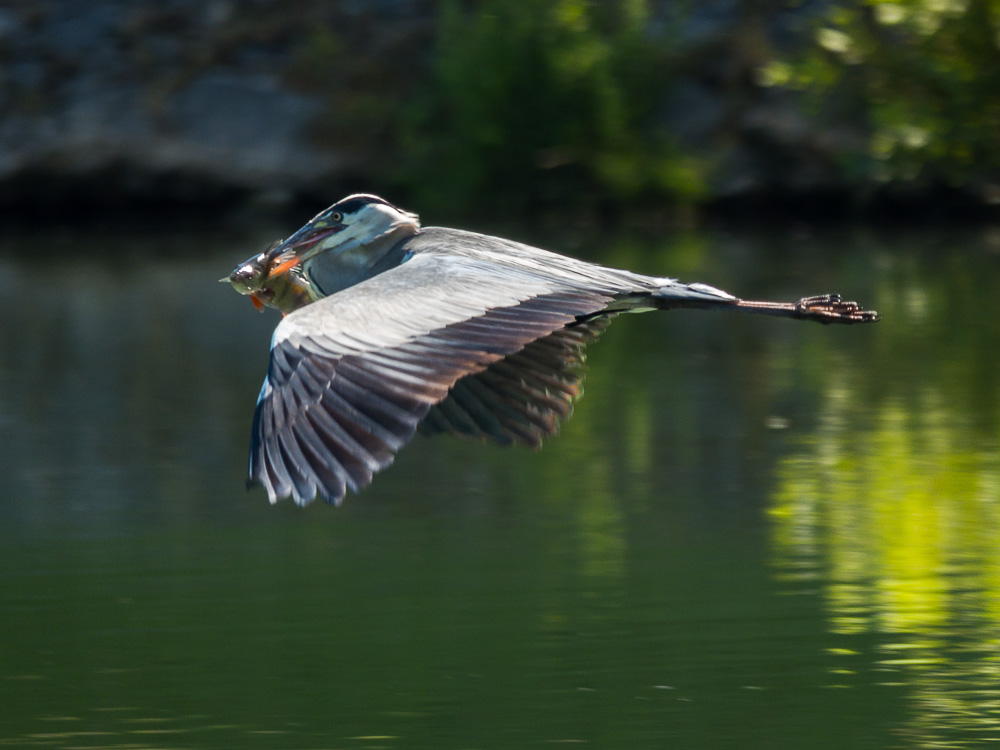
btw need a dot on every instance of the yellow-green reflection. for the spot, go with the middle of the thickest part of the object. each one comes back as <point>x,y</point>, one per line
<point>897,514</point>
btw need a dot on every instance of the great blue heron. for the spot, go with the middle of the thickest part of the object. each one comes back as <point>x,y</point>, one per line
<point>390,326</point>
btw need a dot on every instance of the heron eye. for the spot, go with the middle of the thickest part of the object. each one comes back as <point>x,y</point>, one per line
<point>337,216</point>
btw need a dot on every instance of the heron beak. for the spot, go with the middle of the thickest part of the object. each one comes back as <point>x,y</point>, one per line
<point>300,247</point>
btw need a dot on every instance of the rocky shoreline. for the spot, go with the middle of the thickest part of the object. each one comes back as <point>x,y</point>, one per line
<point>120,105</point>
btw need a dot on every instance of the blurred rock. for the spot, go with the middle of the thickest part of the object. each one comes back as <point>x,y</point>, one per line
<point>128,97</point>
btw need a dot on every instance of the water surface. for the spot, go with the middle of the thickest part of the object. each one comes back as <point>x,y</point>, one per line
<point>752,533</point>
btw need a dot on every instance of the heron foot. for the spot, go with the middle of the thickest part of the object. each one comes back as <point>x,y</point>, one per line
<point>831,308</point>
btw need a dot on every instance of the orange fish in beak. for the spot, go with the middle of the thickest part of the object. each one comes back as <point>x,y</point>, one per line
<point>285,266</point>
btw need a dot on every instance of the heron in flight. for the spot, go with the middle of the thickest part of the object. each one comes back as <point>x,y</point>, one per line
<point>390,327</point>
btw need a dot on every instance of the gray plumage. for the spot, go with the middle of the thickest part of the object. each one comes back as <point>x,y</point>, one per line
<point>442,329</point>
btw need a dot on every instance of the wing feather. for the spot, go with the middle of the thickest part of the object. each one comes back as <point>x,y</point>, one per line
<point>328,471</point>
<point>352,375</point>
<point>528,393</point>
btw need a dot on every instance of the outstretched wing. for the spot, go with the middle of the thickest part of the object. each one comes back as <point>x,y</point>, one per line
<point>521,398</point>
<point>352,375</point>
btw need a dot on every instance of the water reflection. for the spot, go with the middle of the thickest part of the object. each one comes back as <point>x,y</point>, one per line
<point>611,588</point>
<point>890,507</point>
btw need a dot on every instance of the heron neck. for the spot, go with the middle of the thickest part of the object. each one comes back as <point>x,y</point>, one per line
<point>331,272</point>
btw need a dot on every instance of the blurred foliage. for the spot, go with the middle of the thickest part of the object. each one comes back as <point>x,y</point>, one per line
<point>539,102</point>
<point>920,77</point>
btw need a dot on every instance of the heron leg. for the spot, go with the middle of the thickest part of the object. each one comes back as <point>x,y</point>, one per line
<point>823,308</point>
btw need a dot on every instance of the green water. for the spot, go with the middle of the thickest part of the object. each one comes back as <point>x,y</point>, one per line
<point>752,533</point>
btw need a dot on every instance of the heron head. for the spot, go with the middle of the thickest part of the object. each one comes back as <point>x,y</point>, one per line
<point>345,229</point>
